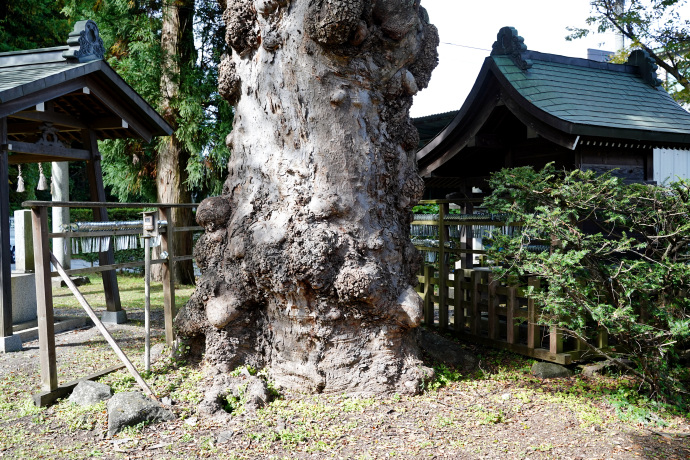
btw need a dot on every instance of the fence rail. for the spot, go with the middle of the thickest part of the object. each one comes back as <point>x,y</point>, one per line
<point>472,301</point>
<point>44,296</point>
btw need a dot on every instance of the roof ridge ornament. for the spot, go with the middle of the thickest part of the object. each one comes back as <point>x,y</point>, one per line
<point>647,66</point>
<point>85,43</point>
<point>509,43</point>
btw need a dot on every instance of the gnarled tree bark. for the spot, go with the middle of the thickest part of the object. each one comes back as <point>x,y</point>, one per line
<point>307,267</point>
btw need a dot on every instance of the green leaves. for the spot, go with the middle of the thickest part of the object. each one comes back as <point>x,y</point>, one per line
<point>618,260</point>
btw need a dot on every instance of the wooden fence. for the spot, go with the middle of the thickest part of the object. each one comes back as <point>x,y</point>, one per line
<point>44,295</point>
<point>471,301</point>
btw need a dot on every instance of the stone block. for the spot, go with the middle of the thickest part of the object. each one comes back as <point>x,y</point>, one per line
<point>23,297</point>
<point>11,343</point>
<point>114,317</point>
<point>23,242</point>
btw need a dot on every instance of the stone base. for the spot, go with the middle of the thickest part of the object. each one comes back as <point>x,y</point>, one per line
<point>114,317</point>
<point>23,297</point>
<point>11,343</point>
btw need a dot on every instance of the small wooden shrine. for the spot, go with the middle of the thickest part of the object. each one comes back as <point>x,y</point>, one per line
<point>55,104</point>
<point>531,108</point>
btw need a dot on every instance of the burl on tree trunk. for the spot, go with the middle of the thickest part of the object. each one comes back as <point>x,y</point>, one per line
<point>307,267</point>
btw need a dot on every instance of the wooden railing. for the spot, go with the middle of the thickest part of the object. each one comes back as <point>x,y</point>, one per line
<point>44,296</point>
<point>472,301</point>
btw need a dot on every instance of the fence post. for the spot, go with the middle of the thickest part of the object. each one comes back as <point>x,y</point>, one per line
<point>555,340</point>
<point>468,257</point>
<point>475,321</point>
<point>459,301</point>
<point>512,328</point>
<point>44,300</point>
<point>428,297</point>
<point>492,301</point>
<point>532,327</point>
<point>442,267</point>
<point>168,245</point>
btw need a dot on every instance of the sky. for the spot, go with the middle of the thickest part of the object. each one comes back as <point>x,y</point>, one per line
<point>474,24</point>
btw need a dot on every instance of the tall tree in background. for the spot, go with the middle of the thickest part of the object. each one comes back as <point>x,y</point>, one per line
<point>28,24</point>
<point>656,26</point>
<point>178,57</point>
<point>152,46</point>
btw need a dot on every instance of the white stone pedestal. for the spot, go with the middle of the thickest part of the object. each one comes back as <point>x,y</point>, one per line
<point>23,297</point>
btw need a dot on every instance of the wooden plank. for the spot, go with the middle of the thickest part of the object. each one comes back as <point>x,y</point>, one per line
<point>556,340</point>
<point>532,327</point>
<point>60,119</point>
<point>5,254</point>
<point>512,328</point>
<point>100,214</point>
<point>9,108</point>
<point>121,111</point>
<point>46,398</point>
<point>94,234</point>
<point>167,245</point>
<point>182,258</point>
<point>475,320</point>
<point>492,304</point>
<point>194,228</point>
<point>458,304</point>
<point>104,332</point>
<point>443,236</point>
<point>539,353</point>
<point>428,294</point>
<point>105,268</point>
<point>104,204</point>
<point>44,299</point>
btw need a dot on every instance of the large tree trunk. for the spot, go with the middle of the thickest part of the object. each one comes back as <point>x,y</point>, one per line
<point>307,267</point>
<point>177,49</point>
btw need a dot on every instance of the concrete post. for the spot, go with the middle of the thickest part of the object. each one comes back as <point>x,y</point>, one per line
<point>61,251</point>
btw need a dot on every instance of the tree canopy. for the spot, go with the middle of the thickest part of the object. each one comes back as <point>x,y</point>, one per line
<point>656,26</point>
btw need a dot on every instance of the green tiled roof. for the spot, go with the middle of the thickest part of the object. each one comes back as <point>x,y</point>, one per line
<point>589,93</point>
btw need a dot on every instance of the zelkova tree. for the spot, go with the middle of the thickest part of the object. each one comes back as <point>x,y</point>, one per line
<point>307,268</point>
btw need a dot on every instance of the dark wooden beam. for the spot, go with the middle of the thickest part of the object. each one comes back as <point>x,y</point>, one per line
<point>558,137</point>
<point>21,158</point>
<point>46,398</point>
<point>59,119</point>
<point>118,109</point>
<point>5,262</point>
<point>56,152</point>
<point>14,106</point>
<point>109,123</point>
<point>95,173</point>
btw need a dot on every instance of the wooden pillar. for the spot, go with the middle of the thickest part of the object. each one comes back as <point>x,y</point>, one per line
<point>44,299</point>
<point>443,236</point>
<point>493,304</point>
<point>428,297</point>
<point>468,257</point>
<point>97,191</point>
<point>168,245</point>
<point>5,255</point>
<point>556,340</point>
<point>476,320</point>
<point>459,301</point>
<point>532,328</point>
<point>512,328</point>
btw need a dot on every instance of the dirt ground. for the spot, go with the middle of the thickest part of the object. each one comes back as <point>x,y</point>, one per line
<point>499,412</point>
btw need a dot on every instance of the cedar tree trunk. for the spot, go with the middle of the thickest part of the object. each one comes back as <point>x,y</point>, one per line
<point>307,266</point>
<point>177,49</point>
